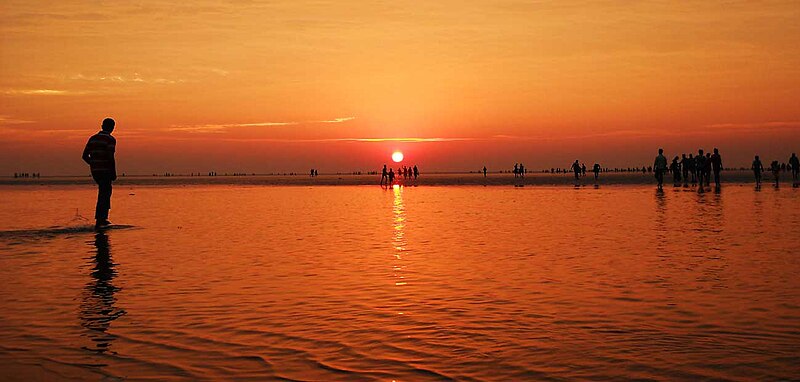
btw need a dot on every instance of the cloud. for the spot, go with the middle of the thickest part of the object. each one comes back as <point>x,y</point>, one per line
<point>219,128</point>
<point>4,120</point>
<point>772,125</point>
<point>136,78</point>
<point>364,140</point>
<point>336,120</point>
<point>45,92</point>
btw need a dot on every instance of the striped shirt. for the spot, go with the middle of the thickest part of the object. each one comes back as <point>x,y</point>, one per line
<point>99,153</point>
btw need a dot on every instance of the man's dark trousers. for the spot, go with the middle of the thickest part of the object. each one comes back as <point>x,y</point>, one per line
<point>103,180</point>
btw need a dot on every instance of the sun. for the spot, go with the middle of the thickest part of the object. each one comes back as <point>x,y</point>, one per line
<point>397,157</point>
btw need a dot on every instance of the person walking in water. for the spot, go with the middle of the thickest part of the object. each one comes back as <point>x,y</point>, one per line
<point>576,168</point>
<point>516,169</point>
<point>391,177</point>
<point>675,168</point>
<point>716,164</point>
<point>685,170</point>
<point>795,163</point>
<point>693,169</point>
<point>776,172</point>
<point>700,165</point>
<point>384,175</point>
<point>99,155</point>
<point>596,170</point>
<point>659,167</point>
<point>758,168</point>
<point>416,172</point>
<point>484,171</point>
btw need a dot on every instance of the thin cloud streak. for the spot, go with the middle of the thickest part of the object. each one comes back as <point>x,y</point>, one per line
<point>45,92</point>
<point>4,120</point>
<point>367,140</point>
<point>123,79</point>
<point>219,128</point>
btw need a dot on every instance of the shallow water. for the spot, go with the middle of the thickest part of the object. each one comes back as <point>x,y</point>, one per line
<point>414,283</point>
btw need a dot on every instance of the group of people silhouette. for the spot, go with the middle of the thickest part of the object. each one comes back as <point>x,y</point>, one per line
<point>579,169</point>
<point>776,168</point>
<point>99,155</point>
<point>698,167</point>
<point>27,175</point>
<point>388,175</point>
<point>519,170</point>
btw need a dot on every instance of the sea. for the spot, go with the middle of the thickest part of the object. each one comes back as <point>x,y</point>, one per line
<point>450,277</point>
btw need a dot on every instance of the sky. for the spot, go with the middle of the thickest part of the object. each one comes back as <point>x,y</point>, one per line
<point>280,86</point>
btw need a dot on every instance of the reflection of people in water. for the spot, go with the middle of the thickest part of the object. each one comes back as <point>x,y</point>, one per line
<point>99,154</point>
<point>98,309</point>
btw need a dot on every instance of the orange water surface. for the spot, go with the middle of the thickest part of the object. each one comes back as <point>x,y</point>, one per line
<point>217,282</point>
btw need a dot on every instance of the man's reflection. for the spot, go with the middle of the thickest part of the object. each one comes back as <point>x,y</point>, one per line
<point>97,309</point>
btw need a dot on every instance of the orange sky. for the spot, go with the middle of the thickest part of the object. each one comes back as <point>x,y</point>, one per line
<point>290,85</point>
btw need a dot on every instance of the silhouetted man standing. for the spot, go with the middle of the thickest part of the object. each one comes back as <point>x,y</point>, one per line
<point>795,163</point>
<point>99,154</point>
<point>660,167</point>
<point>716,164</point>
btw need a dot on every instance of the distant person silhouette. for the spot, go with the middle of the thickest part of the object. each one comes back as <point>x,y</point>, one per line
<point>521,171</point>
<point>416,172</point>
<point>576,168</point>
<point>700,165</point>
<point>758,168</point>
<point>583,169</point>
<point>516,169</point>
<point>707,169</point>
<point>660,166</point>
<point>596,170</point>
<point>99,154</point>
<point>675,168</point>
<point>384,175</point>
<point>685,170</point>
<point>391,176</point>
<point>716,164</point>
<point>692,168</point>
<point>795,164</point>
<point>484,171</point>
<point>776,171</point>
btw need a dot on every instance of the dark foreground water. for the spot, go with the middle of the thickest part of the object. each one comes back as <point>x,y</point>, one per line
<point>408,284</point>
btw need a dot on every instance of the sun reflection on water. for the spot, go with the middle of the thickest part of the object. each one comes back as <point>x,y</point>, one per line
<point>399,241</point>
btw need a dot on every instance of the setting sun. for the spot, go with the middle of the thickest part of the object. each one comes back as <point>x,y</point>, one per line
<point>397,156</point>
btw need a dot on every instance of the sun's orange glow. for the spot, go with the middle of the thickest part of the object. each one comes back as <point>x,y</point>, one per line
<point>290,85</point>
<point>397,157</point>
